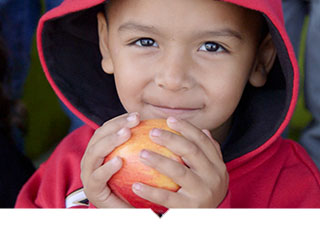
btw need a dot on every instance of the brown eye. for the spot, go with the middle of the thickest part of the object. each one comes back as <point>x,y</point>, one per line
<point>211,47</point>
<point>146,42</point>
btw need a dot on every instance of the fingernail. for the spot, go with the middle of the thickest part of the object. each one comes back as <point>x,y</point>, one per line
<point>144,154</point>
<point>137,186</point>
<point>205,131</point>
<point>155,132</point>
<point>121,132</point>
<point>132,117</point>
<point>115,160</point>
<point>172,120</point>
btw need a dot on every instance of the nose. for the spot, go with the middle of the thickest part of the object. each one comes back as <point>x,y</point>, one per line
<point>174,74</point>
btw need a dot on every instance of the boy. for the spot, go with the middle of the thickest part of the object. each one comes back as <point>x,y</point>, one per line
<point>209,68</point>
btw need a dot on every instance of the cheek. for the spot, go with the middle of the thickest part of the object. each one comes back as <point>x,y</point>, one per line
<point>226,91</point>
<point>230,95</point>
<point>130,82</point>
<point>225,100</point>
<point>126,89</point>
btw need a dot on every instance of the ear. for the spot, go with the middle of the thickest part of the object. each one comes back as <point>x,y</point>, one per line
<point>106,63</point>
<point>265,58</point>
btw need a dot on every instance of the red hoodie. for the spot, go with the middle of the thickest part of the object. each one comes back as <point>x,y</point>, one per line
<point>264,169</point>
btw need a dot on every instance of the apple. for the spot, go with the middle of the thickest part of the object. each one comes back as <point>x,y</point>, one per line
<point>133,170</point>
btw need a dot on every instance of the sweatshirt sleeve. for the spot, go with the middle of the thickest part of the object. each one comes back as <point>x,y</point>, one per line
<point>59,176</point>
<point>27,197</point>
<point>298,183</point>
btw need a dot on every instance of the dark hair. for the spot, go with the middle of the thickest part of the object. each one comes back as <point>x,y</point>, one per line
<point>3,61</point>
<point>12,113</point>
<point>264,28</point>
<point>105,10</point>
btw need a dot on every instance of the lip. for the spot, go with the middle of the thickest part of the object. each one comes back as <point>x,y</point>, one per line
<point>165,111</point>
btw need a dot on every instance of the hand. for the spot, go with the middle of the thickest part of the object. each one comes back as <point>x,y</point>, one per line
<point>204,183</point>
<point>95,174</point>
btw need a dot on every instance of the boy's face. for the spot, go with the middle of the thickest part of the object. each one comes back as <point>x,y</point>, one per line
<point>185,58</point>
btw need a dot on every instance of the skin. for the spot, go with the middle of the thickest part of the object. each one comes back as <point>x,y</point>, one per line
<point>191,70</point>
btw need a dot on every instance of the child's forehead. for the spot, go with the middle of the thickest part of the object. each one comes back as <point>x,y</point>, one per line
<point>194,11</point>
<point>190,16</point>
<point>155,6</point>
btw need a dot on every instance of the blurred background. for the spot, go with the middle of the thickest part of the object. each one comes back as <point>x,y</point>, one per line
<point>301,116</point>
<point>47,122</point>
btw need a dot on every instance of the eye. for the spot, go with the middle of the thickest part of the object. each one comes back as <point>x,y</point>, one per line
<point>212,47</point>
<point>146,42</point>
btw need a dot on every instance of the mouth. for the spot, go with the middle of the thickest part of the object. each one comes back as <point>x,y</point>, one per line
<point>179,111</point>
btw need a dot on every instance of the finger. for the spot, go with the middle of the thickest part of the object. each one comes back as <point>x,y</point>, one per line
<point>195,135</point>
<point>189,152</point>
<point>97,185</point>
<point>114,201</point>
<point>179,173</point>
<point>124,121</point>
<point>159,196</point>
<point>98,179</point>
<point>96,153</point>
<point>214,142</point>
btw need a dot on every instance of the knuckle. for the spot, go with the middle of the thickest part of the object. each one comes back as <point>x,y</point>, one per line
<point>95,176</point>
<point>203,138</point>
<point>99,131</point>
<point>224,170</point>
<point>113,140</point>
<point>193,150</point>
<point>226,179</point>
<point>155,163</point>
<point>181,172</point>
<point>220,180</point>
<point>208,197</point>
<point>163,198</point>
<point>104,196</point>
<point>167,135</point>
<point>92,150</point>
<point>208,194</point>
<point>222,174</point>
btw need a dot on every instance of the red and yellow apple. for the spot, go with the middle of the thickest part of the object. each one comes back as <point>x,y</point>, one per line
<point>133,170</point>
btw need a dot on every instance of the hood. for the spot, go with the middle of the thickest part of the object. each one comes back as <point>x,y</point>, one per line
<point>68,47</point>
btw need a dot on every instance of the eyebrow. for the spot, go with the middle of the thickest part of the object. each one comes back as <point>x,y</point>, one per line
<point>131,26</point>
<point>225,32</point>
